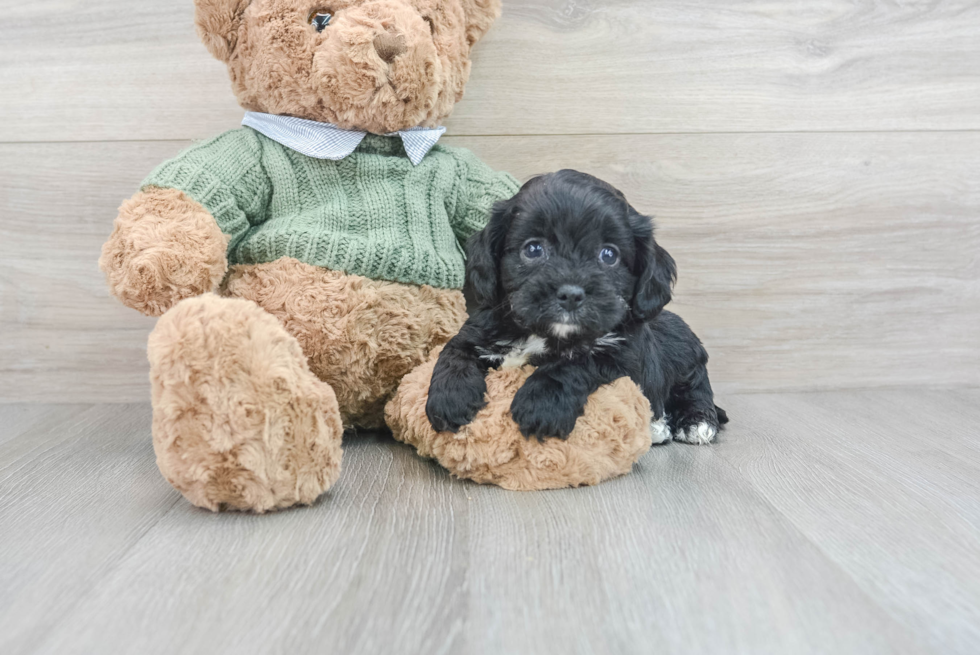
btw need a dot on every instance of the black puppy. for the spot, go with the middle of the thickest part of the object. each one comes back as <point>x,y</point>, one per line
<point>568,277</point>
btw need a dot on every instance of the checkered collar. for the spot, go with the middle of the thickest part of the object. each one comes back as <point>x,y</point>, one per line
<point>326,141</point>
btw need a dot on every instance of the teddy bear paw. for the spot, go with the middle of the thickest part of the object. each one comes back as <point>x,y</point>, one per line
<point>164,247</point>
<point>239,421</point>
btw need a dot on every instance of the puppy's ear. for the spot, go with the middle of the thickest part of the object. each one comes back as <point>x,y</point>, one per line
<point>483,252</point>
<point>654,269</point>
<point>217,25</point>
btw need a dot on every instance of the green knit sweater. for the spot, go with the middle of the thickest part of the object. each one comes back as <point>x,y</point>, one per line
<point>372,214</point>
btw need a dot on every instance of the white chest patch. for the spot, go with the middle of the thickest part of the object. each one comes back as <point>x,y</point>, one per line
<point>563,330</point>
<point>519,352</point>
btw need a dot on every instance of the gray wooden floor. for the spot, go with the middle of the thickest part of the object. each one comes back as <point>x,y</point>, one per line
<point>843,522</point>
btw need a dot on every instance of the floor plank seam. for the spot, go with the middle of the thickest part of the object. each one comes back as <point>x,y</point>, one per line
<point>720,396</point>
<point>551,135</point>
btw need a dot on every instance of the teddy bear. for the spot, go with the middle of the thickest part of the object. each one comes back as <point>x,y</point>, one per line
<point>302,264</point>
<point>306,267</point>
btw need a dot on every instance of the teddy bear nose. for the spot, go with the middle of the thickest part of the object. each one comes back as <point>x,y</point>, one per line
<point>571,297</point>
<point>390,46</point>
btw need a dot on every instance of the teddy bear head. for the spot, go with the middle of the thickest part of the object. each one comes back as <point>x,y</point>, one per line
<point>374,65</point>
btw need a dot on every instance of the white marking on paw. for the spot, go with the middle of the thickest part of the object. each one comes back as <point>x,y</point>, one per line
<point>660,431</point>
<point>701,434</point>
<point>563,330</point>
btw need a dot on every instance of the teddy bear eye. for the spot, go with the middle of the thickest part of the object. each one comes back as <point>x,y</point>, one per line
<point>320,18</point>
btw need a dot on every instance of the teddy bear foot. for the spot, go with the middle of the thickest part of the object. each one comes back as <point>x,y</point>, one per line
<point>611,435</point>
<point>239,421</point>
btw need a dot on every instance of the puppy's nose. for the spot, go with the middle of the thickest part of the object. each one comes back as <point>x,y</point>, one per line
<point>570,297</point>
<point>390,46</point>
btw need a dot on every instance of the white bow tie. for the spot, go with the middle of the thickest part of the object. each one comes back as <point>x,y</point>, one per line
<point>326,141</point>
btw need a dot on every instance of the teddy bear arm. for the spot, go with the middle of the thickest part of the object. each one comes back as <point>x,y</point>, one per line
<point>554,396</point>
<point>164,247</point>
<point>609,437</point>
<point>171,240</point>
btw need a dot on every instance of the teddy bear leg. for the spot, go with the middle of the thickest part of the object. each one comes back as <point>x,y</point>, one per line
<point>609,437</point>
<point>361,336</point>
<point>239,421</point>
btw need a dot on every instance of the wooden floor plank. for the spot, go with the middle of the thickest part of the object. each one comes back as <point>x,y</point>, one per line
<point>948,419</point>
<point>74,497</point>
<point>376,566</point>
<point>892,496</point>
<point>680,557</point>
<point>136,71</point>
<point>17,418</point>
<point>806,261</point>
<point>971,395</point>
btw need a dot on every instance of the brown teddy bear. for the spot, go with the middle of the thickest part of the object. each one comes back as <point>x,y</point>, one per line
<point>303,264</point>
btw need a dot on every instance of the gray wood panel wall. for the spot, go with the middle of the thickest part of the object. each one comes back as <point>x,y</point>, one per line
<point>814,168</point>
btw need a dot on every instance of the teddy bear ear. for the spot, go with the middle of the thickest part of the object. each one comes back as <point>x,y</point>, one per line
<point>480,15</point>
<point>217,25</point>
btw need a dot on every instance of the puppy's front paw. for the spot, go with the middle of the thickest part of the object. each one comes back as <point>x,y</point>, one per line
<point>697,433</point>
<point>541,411</point>
<point>449,409</point>
<point>660,431</point>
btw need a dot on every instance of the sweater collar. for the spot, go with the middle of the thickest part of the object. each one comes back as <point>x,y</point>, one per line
<point>327,141</point>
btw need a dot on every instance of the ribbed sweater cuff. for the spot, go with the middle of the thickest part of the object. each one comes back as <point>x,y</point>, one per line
<point>206,189</point>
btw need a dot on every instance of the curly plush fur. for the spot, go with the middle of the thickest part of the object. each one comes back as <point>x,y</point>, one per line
<point>164,247</point>
<point>608,438</point>
<point>279,66</point>
<point>239,420</point>
<point>362,336</point>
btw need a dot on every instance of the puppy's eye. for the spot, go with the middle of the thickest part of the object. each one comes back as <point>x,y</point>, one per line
<point>320,18</point>
<point>432,24</point>
<point>533,250</point>
<point>609,255</point>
